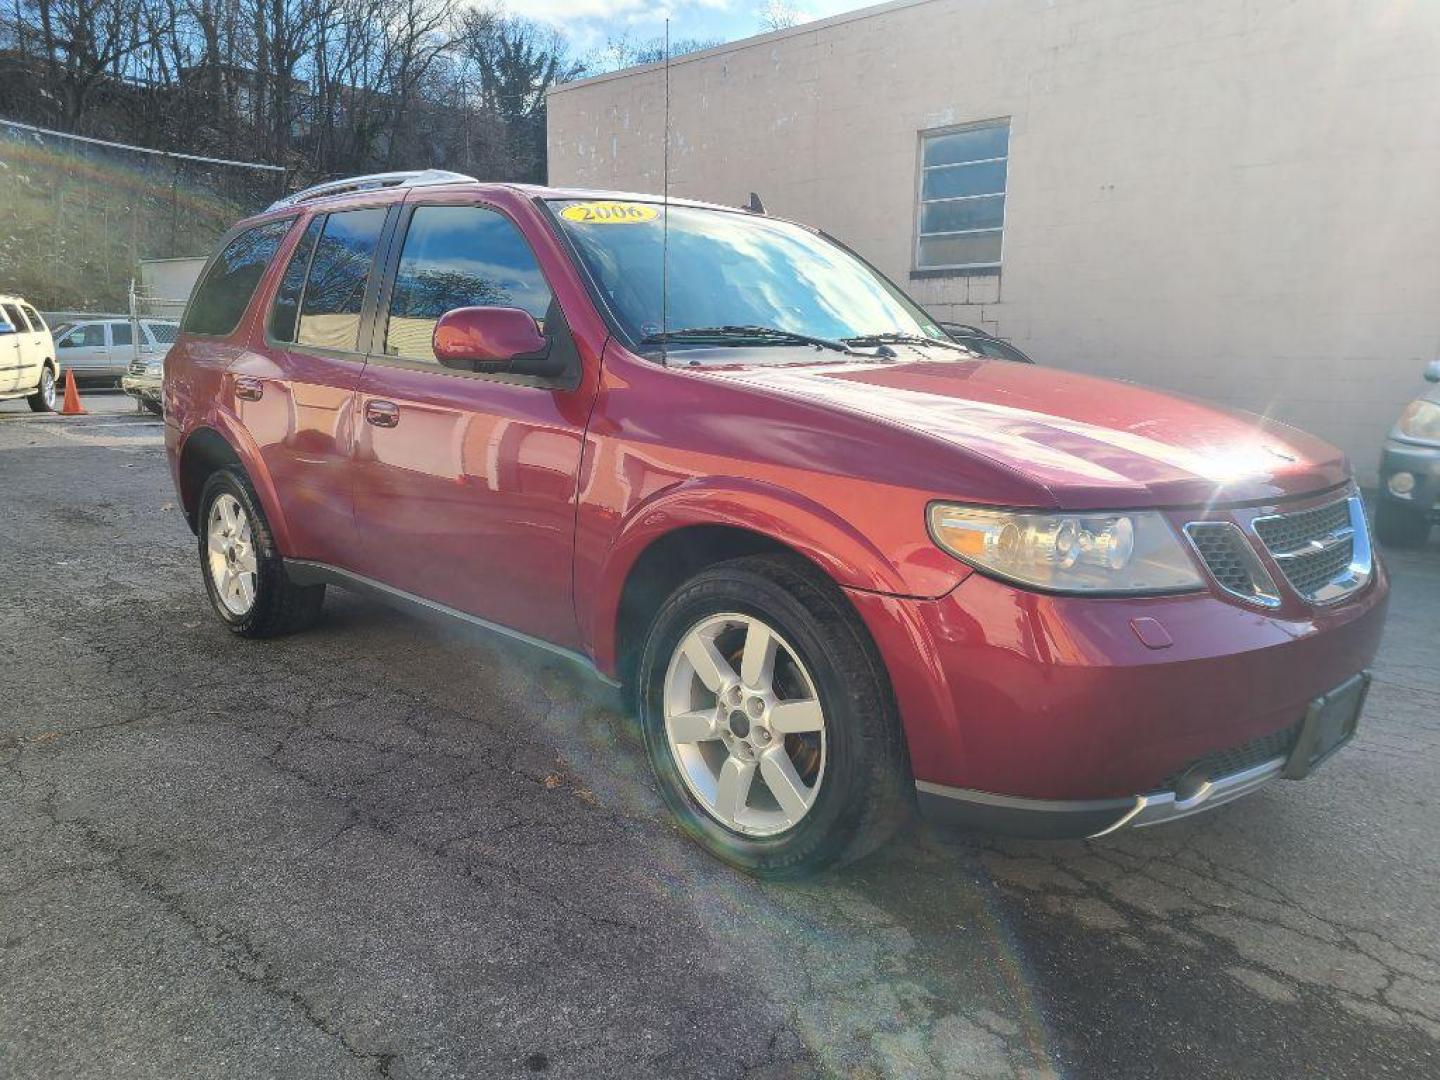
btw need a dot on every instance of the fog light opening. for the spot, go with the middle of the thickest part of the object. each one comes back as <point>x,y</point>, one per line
<point>1401,484</point>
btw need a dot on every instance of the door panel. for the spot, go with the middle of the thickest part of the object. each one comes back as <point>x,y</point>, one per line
<point>39,344</point>
<point>465,484</point>
<point>122,346</point>
<point>469,498</point>
<point>299,403</point>
<point>299,409</point>
<point>85,349</point>
<point>12,351</point>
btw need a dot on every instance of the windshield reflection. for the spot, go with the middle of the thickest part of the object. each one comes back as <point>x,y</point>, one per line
<point>737,269</point>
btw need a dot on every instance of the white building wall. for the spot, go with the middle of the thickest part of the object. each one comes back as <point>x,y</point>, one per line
<point>1238,199</point>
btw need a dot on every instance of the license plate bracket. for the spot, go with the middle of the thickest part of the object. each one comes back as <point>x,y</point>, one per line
<point>1330,722</point>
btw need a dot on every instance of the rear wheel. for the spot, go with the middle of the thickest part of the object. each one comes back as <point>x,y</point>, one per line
<point>1401,526</point>
<point>768,719</point>
<point>153,406</point>
<point>43,400</point>
<point>244,573</point>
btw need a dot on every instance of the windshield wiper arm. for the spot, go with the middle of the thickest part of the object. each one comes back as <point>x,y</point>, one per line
<point>739,335</point>
<point>895,337</point>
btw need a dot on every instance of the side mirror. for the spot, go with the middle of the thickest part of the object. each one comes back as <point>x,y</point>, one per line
<point>489,339</point>
<point>1432,371</point>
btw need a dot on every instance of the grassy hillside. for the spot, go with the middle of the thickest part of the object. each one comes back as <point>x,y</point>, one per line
<point>75,217</point>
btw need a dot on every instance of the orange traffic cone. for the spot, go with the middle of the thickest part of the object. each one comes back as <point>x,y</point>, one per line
<point>72,406</point>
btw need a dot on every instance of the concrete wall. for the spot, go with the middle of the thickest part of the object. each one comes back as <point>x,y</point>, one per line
<point>1238,199</point>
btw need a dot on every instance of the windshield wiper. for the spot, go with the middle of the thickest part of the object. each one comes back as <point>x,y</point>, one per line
<point>895,337</point>
<point>741,335</point>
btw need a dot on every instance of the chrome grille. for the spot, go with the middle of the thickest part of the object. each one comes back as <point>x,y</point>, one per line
<point>1285,533</point>
<point>1323,551</point>
<point>137,367</point>
<point>1232,562</point>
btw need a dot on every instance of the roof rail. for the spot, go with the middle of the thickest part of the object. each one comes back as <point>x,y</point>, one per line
<point>417,178</point>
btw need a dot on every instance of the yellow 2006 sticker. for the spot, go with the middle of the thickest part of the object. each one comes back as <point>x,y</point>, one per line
<point>610,213</point>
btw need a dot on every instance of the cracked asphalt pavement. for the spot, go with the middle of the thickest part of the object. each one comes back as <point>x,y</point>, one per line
<point>389,848</point>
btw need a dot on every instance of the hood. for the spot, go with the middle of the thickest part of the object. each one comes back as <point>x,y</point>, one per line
<point>1091,443</point>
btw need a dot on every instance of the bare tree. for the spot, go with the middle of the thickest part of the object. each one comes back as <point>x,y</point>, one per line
<point>779,15</point>
<point>624,51</point>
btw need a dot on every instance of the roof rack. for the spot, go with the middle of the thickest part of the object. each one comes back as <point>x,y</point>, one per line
<point>373,182</point>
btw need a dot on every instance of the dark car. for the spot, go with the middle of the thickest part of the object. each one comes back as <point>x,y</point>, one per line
<point>984,342</point>
<point>1410,471</point>
<point>843,566</point>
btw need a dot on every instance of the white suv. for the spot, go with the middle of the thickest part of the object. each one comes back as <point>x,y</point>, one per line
<point>103,348</point>
<point>28,367</point>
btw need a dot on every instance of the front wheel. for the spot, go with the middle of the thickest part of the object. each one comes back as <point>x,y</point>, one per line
<point>43,400</point>
<point>769,721</point>
<point>244,574</point>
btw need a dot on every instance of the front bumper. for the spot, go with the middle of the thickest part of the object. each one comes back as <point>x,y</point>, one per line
<point>1055,715</point>
<point>142,387</point>
<point>1420,461</point>
<point>1203,787</point>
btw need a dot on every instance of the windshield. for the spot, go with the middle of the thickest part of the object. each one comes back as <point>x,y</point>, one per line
<point>732,269</point>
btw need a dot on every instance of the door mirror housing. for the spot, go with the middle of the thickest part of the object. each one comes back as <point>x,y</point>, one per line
<point>490,339</point>
<point>1432,371</point>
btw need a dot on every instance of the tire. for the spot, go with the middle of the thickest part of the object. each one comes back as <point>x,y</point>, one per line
<point>860,792</point>
<point>273,605</point>
<point>1400,526</point>
<point>153,406</point>
<point>43,400</point>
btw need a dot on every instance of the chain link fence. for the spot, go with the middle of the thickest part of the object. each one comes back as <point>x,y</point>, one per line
<point>78,216</point>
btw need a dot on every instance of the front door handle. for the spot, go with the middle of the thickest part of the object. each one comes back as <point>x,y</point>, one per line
<point>249,388</point>
<point>382,413</point>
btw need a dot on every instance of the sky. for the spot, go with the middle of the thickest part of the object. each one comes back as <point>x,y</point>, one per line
<point>589,23</point>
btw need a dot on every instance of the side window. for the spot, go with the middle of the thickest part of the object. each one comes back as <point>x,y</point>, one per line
<point>335,288</point>
<point>85,336</point>
<point>36,322</point>
<point>286,309</point>
<point>10,321</point>
<point>225,293</point>
<point>459,256</point>
<point>120,334</point>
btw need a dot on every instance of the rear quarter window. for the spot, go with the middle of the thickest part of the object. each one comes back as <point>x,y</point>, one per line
<point>231,280</point>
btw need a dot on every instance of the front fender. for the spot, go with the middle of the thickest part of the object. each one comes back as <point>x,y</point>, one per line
<point>844,552</point>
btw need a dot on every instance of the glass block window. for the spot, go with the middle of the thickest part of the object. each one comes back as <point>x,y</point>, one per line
<point>962,197</point>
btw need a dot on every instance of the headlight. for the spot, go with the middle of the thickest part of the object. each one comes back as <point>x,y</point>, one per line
<point>1420,420</point>
<point>1110,553</point>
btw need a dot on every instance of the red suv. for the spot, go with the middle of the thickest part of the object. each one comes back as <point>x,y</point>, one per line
<point>844,564</point>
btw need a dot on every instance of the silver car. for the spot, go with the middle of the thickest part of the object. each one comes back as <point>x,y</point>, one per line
<point>103,348</point>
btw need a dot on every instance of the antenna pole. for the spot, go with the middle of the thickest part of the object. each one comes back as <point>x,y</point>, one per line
<point>665,213</point>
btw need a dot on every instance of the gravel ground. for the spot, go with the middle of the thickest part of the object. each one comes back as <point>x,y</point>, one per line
<point>388,847</point>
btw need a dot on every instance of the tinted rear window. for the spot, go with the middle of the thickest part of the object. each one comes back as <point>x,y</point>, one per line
<point>225,293</point>
<point>286,308</point>
<point>339,272</point>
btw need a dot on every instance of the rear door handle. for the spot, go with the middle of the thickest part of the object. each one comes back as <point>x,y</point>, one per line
<point>249,388</point>
<point>382,413</point>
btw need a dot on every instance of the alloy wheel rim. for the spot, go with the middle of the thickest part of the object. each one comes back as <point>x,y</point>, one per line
<point>47,388</point>
<point>230,552</point>
<point>744,725</point>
